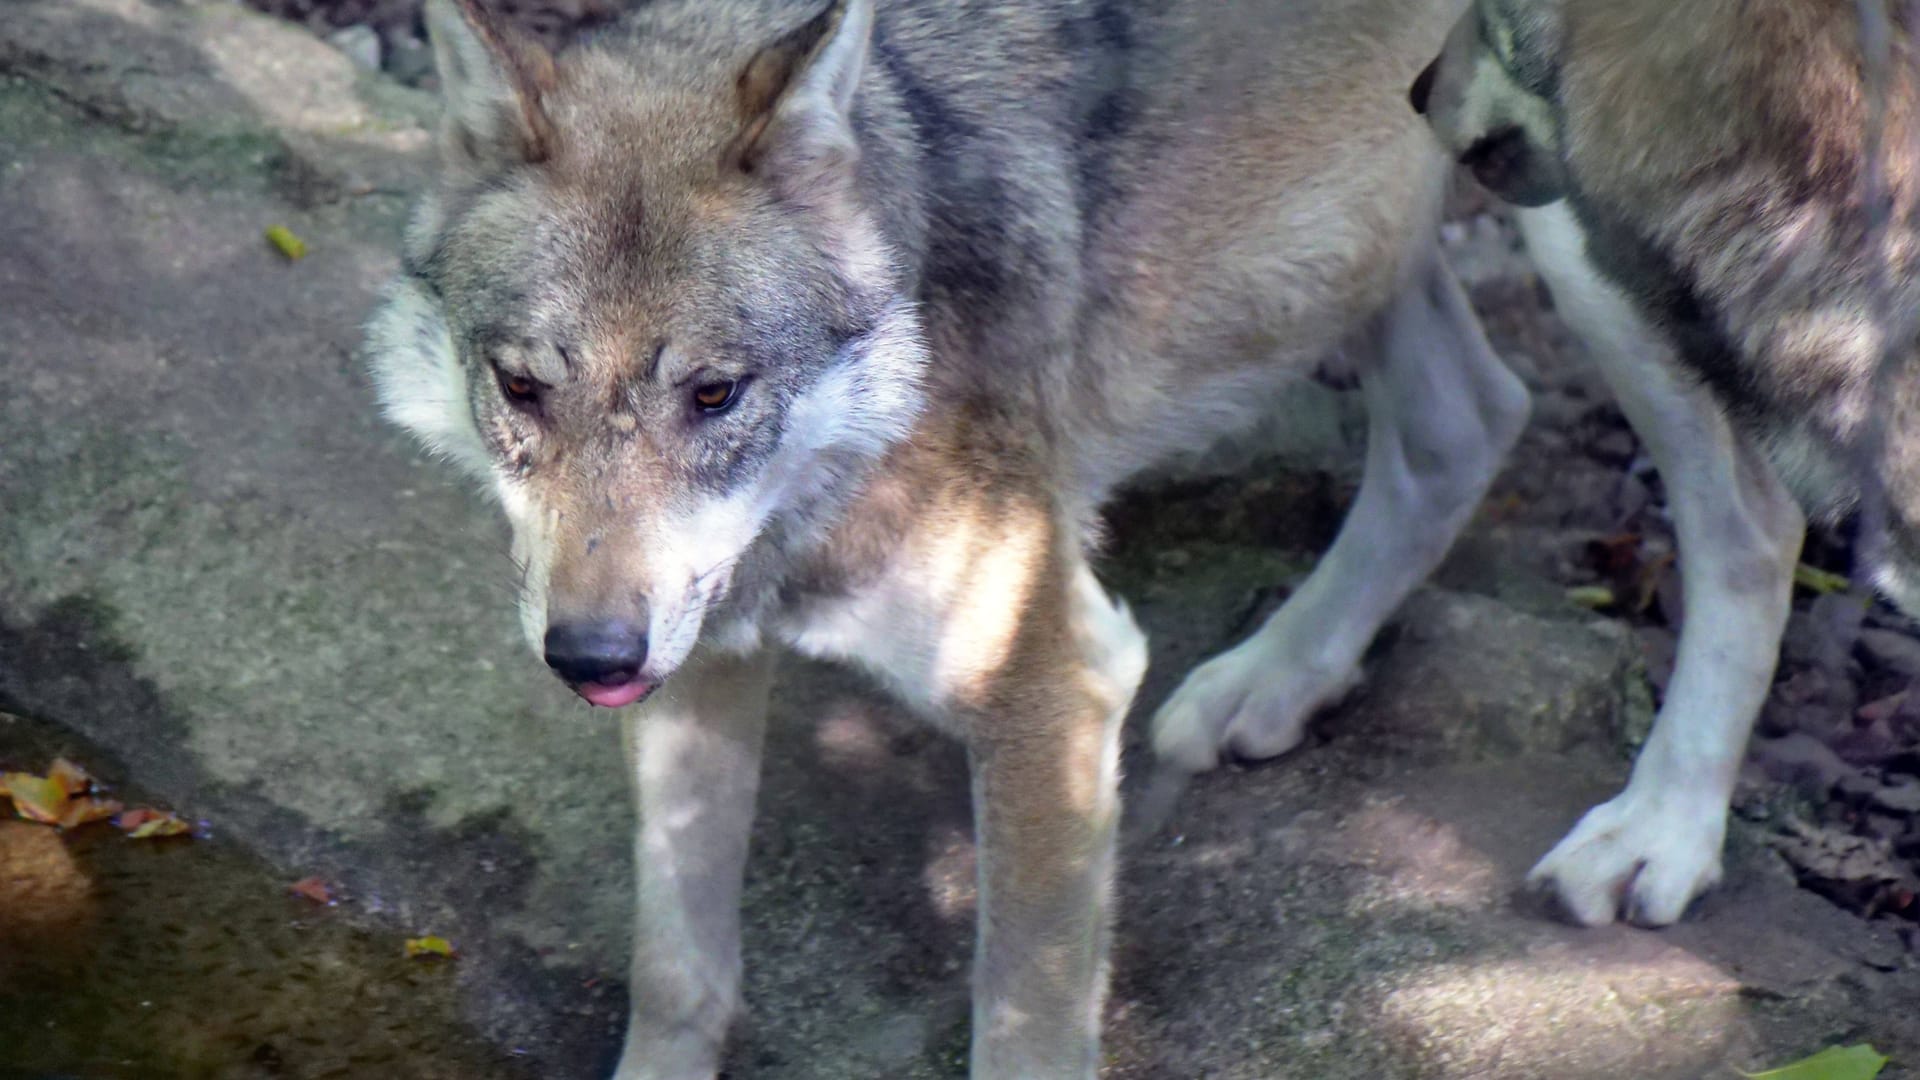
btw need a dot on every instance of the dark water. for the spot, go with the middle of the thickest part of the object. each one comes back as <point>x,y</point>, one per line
<point>188,958</point>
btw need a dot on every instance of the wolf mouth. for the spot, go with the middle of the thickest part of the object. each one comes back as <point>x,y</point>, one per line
<point>616,695</point>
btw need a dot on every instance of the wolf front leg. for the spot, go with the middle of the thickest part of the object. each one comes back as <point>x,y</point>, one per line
<point>1045,789</point>
<point>694,755</point>
<point>1648,852</point>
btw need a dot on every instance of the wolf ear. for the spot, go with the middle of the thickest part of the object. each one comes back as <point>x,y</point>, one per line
<point>796,95</point>
<point>491,84</point>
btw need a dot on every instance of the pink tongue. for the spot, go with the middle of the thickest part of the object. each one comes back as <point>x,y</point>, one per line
<point>612,697</point>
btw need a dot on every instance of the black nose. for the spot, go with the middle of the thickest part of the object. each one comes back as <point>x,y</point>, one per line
<point>1423,87</point>
<point>609,652</point>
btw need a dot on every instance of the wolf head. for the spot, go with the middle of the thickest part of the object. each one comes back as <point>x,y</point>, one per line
<point>1489,96</point>
<point>643,302</point>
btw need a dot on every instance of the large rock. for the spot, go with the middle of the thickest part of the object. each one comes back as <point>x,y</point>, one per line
<point>207,75</point>
<point>1469,677</point>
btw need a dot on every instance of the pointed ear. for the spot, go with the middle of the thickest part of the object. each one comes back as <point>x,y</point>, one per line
<point>796,95</point>
<point>491,84</point>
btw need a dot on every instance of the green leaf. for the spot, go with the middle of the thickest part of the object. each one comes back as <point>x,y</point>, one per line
<point>286,243</point>
<point>1820,581</point>
<point>432,945</point>
<point>1860,1062</point>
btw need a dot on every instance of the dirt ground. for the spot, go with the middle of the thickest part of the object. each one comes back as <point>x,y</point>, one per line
<point>255,604</point>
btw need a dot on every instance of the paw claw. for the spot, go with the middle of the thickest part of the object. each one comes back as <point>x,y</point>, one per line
<point>1644,863</point>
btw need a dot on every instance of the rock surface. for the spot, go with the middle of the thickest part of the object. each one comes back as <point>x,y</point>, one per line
<point>219,568</point>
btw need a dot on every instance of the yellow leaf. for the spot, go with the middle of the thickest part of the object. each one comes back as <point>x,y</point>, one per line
<point>37,798</point>
<point>1591,596</point>
<point>1861,1062</point>
<point>146,824</point>
<point>286,243</point>
<point>70,776</point>
<point>429,946</point>
<point>166,826</point>
<point>85,811</point>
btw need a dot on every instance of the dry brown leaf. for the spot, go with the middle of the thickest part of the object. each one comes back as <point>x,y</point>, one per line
<point>1648,578</point>
<point>1856,872</point>
<point>314,889</point>
<point>146,823</point>
<point>1615,556</point>
<point>1883,709</point>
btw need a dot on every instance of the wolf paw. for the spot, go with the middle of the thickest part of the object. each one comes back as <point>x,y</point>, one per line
<point>661,1049</point>
<point>1636,859</point>
<point>1247,702</point>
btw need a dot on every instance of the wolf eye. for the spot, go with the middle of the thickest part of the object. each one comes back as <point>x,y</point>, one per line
<point>716,397</point>
<point>519,389</point>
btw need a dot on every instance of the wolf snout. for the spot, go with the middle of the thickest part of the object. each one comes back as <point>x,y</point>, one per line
<point>600,659</point>
<point>1508,163</point>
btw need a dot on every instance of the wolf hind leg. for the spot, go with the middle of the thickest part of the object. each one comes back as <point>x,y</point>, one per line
<point>1443,411</point>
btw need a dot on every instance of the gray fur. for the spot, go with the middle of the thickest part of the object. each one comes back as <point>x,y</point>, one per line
<point>971,264</point>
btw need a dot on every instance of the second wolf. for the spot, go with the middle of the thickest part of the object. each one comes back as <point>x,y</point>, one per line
<point>829,327</point>
<point>1694,183</point>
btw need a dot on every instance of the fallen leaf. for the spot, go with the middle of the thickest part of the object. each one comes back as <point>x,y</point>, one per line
<point>1591,596</point>
<point>1615,555</point>
<point>1861,1062</point>
<point>146,823</point>
<point>37,798</point>
<point>429,946</point>
<point>88,810</point>
<point>313,889</point>
<point>286,243</point>
<point>1859,873</point>
<point>1820,581</point>
<point>1648,578</point>
<point>71,777</point>
<point>1883,709</point>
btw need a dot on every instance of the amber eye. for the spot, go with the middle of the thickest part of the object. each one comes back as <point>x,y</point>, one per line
<point>716,397</point>
<point>519,389</point>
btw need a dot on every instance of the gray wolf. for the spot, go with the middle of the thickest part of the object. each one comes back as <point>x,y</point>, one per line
<point>1692,181</point>
<point>827,327</point>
